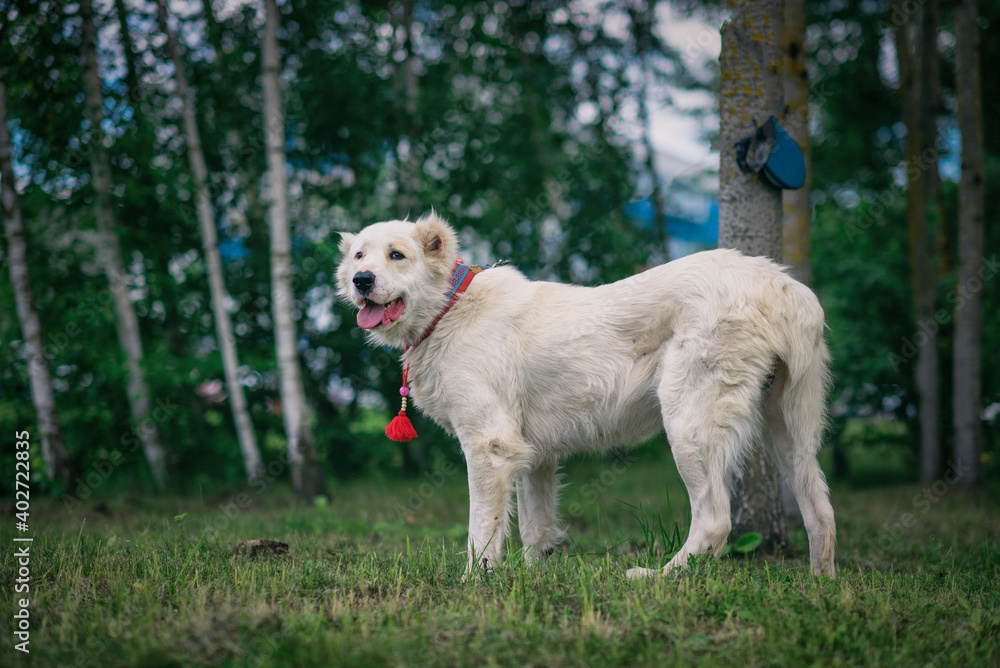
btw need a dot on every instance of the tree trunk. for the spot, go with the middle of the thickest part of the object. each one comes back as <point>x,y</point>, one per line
<point>971,216</point>
<point>209,237</point>
<point>930,109</point>
<point>796,208</point>
<point>110,257</point>
<point>750,213</point>
<point>912,88</point>
<point>797,214</point>
<point>57,464</point>
<point>307,477</point>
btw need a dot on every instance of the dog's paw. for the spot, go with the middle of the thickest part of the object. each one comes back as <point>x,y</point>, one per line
<point>478,571</point>
<point>637,573</point>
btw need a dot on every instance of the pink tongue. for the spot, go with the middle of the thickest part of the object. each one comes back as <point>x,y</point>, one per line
<point>374,314</point>
<point>392,313</point>
<point>370,316</point>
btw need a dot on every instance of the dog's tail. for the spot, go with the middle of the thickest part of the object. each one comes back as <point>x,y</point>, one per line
<point>802,415</point>
<point>803,401</point>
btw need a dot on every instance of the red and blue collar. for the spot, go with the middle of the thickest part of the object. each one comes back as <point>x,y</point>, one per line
<point>461,278</point>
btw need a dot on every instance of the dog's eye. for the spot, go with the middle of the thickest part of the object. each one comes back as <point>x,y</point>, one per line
<point>358,255</point>
<point>396,255</point>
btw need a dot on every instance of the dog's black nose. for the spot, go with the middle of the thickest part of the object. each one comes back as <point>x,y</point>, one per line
<point>364,281</point>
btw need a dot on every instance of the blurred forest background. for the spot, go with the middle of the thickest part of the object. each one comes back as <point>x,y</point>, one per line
<point>541,130</point>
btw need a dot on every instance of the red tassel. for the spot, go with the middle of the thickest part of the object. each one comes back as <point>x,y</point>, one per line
<point>401,429</point>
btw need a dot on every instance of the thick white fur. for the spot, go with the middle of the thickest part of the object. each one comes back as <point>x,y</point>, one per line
<point>525,373</point>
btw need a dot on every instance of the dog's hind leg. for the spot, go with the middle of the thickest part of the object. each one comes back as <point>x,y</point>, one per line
<point>710,424</point>
<point>794,415</point>
<point>494,464</point>
<point>537,492</point>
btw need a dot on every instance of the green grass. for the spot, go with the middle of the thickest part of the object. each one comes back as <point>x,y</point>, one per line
<point>374,578</point>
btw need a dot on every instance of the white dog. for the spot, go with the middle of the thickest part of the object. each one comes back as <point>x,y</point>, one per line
<point>716,348</point>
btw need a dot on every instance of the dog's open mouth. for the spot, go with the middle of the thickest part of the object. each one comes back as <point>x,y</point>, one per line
<point>374,315</point>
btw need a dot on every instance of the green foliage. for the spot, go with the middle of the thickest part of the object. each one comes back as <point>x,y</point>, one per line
<point>493,139</point>
<point>745,544</point>
<point>518,127</point>
<point>859,241</point>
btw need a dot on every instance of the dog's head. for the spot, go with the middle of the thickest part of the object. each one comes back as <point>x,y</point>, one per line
<point>396,274</point>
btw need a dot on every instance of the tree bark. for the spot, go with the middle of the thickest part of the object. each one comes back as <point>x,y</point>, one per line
<point>209,237</point>
<point>750,213</point>
<point>110,257</point>
<point>971,218</point>
<point>930,108</point>
<point>57,463</point>
<point>307,477</point>
<point>922,275</point>
<point>797,212</point>
<point>796,249</point>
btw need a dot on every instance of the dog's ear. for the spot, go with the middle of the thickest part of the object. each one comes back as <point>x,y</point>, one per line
<point>344,266</point>
<point>346,239</point>
<point>437,239</point>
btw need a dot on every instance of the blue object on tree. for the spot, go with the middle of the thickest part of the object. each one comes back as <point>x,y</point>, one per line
<point>773,153</point>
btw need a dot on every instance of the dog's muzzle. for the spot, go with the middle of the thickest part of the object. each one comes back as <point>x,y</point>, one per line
<point>364,281</point>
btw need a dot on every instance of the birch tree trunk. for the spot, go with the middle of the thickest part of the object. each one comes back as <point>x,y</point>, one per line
<point>110,257</point>
<point>971,217</point>
<point>911,88</point>
<point>750,213</point>
<point>307,477</point>
<point>57,464</point>
<point>209,237</point>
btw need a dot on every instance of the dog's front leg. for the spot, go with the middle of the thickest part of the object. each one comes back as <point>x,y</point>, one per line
<point>493,466</point>
<point>537,492</point>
